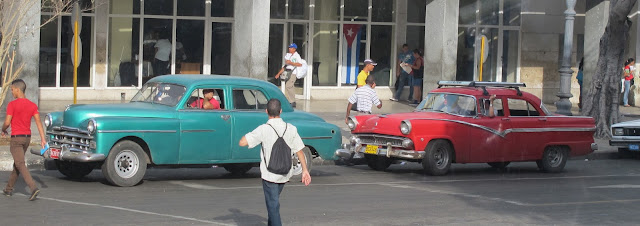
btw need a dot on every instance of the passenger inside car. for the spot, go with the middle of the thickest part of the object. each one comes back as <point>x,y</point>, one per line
<point>209,100</point>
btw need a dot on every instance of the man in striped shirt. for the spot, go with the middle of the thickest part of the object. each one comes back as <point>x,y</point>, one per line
<point>365,97</point>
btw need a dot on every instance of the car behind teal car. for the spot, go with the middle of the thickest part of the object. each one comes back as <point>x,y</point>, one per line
<point>163,126</point>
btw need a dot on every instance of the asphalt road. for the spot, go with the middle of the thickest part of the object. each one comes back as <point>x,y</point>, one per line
<point>599,192</point>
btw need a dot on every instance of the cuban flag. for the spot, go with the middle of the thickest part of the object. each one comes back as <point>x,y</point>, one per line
<point>351,53</point>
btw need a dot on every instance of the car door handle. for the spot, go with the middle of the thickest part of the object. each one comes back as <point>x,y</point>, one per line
<point>225,117</point>
<point>542,119</point>
<point>506,119</point>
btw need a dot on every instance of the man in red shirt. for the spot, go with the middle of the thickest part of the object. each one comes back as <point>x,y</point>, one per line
<point>19,114</point>
<point>208,102</point>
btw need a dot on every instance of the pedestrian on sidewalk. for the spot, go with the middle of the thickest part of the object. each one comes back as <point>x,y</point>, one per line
<point>364,98</point>
<point>403,77</point>
<point>418,74</point>
<point>267,135</point>
<point>19,114</point>
<point>369,64</point>
<point>291,63</point>
<point>629,70</point>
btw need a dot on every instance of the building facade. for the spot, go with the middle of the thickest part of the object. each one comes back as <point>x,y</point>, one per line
<point>125,43</point>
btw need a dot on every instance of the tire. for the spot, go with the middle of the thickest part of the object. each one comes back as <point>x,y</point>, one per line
<point>74,170</point>
<point>498,165</point>
<point>238,169</point>
<point>553,159</point>
<point>376,162</point>
<point>308,159</point>
<point>437,158</point>
<point>126,164</point>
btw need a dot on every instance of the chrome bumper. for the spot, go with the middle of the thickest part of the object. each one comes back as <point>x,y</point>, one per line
<point>617,142</point>
<point>594,146</point>
<point>389,152</point>
<point>74,156</point>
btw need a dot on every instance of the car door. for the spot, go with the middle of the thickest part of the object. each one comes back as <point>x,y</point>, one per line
<point>249,111</point>
<point>486,140</point>
<point>525,130</point>
<point>204,134</point>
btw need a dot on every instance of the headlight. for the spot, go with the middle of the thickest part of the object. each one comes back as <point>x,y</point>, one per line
<point>91,126</point>
<point>407,143</point>
<point>405,127</point>
<point>618,131</point>
<point>47,120</point>
<point>352,123</point>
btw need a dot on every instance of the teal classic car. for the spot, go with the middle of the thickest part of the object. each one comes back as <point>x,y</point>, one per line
<point>163,125</point>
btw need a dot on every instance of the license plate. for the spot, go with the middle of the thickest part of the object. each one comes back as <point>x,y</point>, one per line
<point>371,149</point>
<point>634,147</point>
<point>54,153</point>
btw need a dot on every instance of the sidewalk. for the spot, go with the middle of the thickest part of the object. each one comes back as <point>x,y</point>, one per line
<point>331,110</point>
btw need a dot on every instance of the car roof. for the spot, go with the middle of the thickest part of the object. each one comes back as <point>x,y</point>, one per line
<point>479,92</point>
<point>189,80</point>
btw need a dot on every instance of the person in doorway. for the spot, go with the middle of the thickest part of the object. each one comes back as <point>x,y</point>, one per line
<point>19,114</point>
<point>418,74</point>
<point>579,78</point>
<point>362,76</point>
<point>629,70</point>
<point>208,102</point>
<point>403,77</point>
<point>364,97</point>
<point>163,55</point>
<point>266,135</point>
<point>291,64</point>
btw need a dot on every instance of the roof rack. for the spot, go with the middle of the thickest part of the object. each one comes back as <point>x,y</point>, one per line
<point>484,85</point>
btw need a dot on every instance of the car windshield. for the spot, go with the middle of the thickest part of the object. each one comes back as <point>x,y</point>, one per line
<point>449,103</point>
<point>160,93</point>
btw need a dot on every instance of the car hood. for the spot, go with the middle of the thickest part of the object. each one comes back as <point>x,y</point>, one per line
<point>634,123</point>
<point>389,124</point>
<point>76,114</point>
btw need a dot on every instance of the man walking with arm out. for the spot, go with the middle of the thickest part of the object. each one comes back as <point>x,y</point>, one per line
<point>267,135</point>
<point>19,114</point>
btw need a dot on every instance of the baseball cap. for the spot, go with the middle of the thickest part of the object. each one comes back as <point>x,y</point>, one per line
<point>293,45</point>
<point>370,61</point>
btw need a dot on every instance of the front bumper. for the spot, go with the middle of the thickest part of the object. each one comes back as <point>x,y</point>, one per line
<point>75,156</point>
<point>391,152</point>
<point>623,142</point>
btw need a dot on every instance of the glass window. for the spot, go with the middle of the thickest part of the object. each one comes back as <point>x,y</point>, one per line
<point>327,10</point>
<point>512,12</point>
<point>518,107</point>
<point>247,99</point>
<point>189,51</point>
<point>278,9</point>
<point>415,37</point>
<point>66,53</point>
<point>222,8</point>
<point>381,38</point>
<point>158,7</point>
<point>125,7</point>
<point>356,10</point>
<point>416,11</point>
<point>354,46</point>
<point>221,48</point>
<point>510,50</point>
<point>160,93</point>
<point>196,100</point>
<point>497,107</point>
<point>48,52</point>
<point>191,7</point>
<point>467,12</point>
<point>384,11</point>
<point>276,49</point>
<point>449,103</point>
<point>489,12</point>
<point>490,56</point>
<point>325,54</point>
<point>124,39</point>
<point>299,9</point>
<point>156,46</point>
<point>466,53</point>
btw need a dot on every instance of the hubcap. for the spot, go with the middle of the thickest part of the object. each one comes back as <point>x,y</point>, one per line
<point>126,164</point>
<point>441,157</point>
<point>554,157</point>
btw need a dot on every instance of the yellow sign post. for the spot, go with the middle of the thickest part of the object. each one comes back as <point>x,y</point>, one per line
<point>482,40</point>
<point>76,20</point>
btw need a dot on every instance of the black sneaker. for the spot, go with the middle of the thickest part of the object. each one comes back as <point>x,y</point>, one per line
<point>34,194</point>
<point>7,193</point>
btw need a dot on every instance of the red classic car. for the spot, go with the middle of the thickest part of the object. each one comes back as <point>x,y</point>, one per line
<point>457,123</point>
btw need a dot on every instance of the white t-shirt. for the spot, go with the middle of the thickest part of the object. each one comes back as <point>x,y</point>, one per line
<point>265,135</point>
<point>164,49</point>
<point>295,57</point>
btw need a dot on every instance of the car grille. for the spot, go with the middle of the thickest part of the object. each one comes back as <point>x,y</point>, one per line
<point>632,131</point>
<point>71,137</point>
<point>375,139</point>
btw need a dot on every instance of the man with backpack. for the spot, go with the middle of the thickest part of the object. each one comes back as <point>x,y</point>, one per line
<point>280,141</point>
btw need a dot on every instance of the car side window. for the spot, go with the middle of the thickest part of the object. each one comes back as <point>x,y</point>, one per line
<point>249,99</point>
<point>497,107</point>
<point>519,107</point>
<point>197,97</point>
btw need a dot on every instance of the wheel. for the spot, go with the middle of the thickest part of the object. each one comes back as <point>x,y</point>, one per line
<point>74,170</point>
<point>297,167</point>
<point>126,164</point>
<point>238,169</point>
<point>376,162</point>
<point>554,159</point>
<point>624,153</point>
<point>498,165</point>
<point>437,158</point>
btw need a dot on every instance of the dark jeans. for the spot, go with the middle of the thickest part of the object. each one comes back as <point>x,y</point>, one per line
<point>402,80</point>
<point>19,146</point>
<point>272,199</point>
<point>160,67</point>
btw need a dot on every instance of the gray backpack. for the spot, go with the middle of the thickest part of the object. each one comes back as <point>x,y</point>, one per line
<point>280,159</point>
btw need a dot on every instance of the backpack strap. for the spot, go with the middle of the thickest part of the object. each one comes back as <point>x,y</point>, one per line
<point>285,130</point>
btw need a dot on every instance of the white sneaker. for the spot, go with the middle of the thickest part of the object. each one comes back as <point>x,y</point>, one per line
<point>393,99</point>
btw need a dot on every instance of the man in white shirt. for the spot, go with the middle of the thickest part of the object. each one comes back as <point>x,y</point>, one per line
<point>365,97</point>
<point>267,134</point>
<point>162,57</point>
<point>291,64</point>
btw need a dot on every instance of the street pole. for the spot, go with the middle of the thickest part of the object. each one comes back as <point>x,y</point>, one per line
<point>564,105</point>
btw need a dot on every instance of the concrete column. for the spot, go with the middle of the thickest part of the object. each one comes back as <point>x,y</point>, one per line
<point>250,44</point>
<point>99,78</point>
<point>441,43</point>
<point>400,39</point>
<point>596,20</point>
